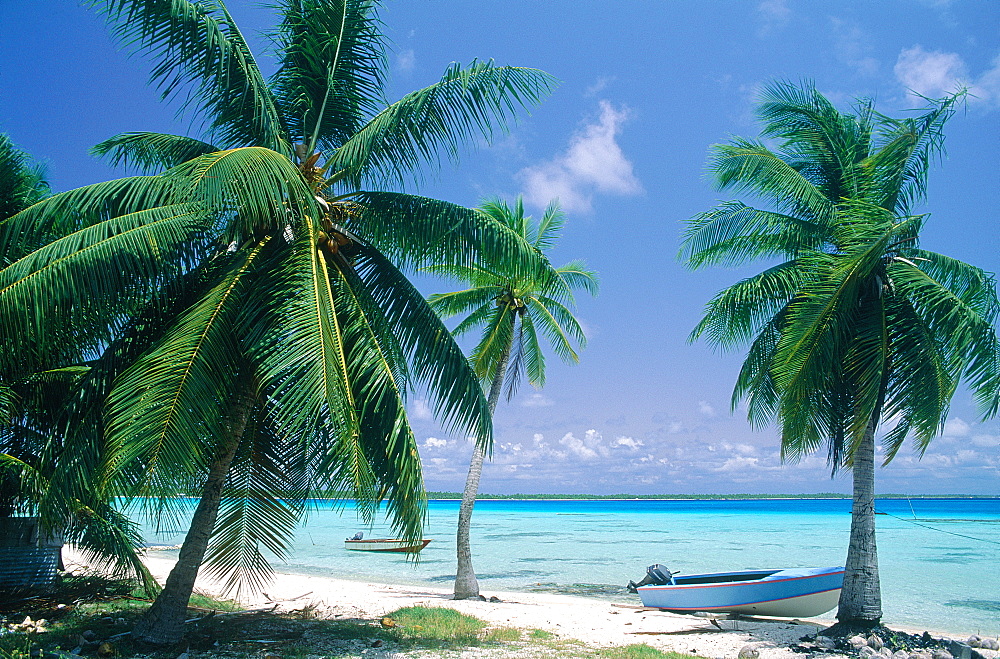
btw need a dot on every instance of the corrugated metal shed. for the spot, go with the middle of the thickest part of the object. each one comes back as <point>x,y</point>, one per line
<point>29,559</point>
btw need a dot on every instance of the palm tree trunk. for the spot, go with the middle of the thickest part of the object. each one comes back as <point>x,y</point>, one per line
<point>861,598</point>
<point>466,585</point>
<point>163,623</point>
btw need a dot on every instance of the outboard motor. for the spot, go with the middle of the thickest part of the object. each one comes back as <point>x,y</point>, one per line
<point>656,575</point>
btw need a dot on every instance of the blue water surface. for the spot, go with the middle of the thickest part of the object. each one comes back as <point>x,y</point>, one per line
<point>939,558</point>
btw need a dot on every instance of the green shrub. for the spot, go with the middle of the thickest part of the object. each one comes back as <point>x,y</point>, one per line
<point>434,623</point>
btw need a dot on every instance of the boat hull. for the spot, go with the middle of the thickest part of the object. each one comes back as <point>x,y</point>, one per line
<point>393,545</point>
<point>790,593</point>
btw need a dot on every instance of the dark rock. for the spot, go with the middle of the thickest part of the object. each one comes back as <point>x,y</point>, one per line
<point>495,599</point>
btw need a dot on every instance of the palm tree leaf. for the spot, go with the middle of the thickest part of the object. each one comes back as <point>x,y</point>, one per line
<point>437,362</point>
<point>576,275</point>
<point>741,311</point>
<point>531,351</point>
<point>466,103</point>
<point>749,166</point>
<point>905,150</point>
<point>558,326</point>
<point>298,344</point>
<point>551,225</point>
<point>332,69</point>
<point>151,152</point>
<point>63,213</point>
<point>386,439</point>
<point>495,342</point>
<point>451,304</point>
<point>256,188</point>
<point>196,45</point>
<point>416,231</point>
<point>166,410</point>
<point>21,182</point>
<point>261,506</point>
<point>92,275</point>
<point>733,233</point>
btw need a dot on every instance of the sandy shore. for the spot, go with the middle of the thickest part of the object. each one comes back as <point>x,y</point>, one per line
<point>594,622</point>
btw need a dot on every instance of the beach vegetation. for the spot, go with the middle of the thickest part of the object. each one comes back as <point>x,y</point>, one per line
<point>252,333</point>
<point>33,403</point>
<point>511,304</point>
<point>437,623</point>
<point>856,333</point>
<point>639,651</point>
<point>540,635</point>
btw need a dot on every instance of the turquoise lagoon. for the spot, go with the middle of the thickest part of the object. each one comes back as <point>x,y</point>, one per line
<point>939,558</point>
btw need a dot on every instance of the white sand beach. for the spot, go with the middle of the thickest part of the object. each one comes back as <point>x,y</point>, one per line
<point>592,621</point>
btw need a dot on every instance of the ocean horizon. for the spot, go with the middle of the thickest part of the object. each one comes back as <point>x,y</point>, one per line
<point>937,556</point>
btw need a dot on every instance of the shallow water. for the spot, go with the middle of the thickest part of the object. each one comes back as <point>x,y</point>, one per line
<point>939,561</point>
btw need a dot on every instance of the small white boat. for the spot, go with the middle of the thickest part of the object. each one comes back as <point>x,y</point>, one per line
<point>787,593</point>
<point>386,544</point>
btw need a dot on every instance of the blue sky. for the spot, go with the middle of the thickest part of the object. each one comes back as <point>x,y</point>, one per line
<point>646,87</point>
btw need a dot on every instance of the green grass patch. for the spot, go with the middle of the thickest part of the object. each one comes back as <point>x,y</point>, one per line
<point>639,651</point>
<point>540,635</point>
<point>433,623</point>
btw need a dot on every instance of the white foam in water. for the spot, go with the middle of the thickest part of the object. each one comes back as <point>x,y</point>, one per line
<point>941,574</point>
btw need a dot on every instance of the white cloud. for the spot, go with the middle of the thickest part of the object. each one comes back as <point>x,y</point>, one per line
<point>705,408</point>
<point>930,73</point>
<point>987,85</point>
<point>406,61</point>
<point>434,442</point>
<point>593,162</point>
<point>955,427</point>
<point>420,410</point>
<point>986,441</point>
<point>629,442</point>
<point>936,73</point>
<point>598,86</point>
<point>579,447</point>
<point>537,400</point>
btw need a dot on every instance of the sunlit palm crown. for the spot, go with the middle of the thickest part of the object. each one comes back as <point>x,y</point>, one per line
<point>511,306</point>
<point>265,257</point>
<point>853,320</point>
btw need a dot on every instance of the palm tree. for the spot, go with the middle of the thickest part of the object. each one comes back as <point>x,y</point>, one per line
<point>257,335</point>
<point>511,304</point>
<point>32,407</point>
<point>855,325</point>
<point>22,182</point>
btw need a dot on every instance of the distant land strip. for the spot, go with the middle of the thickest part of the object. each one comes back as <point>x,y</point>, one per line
<point>820,495</point>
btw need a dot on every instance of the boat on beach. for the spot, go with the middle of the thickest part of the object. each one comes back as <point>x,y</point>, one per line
<point>386,544</point>
<point>784,593</point>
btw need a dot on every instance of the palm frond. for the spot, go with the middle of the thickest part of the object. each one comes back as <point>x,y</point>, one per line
<point>92,276</point>
<point>197,46</point>
<point>417,231</point>
<point>332,69</point>
<point>734,233</point>
<point>256,189</point>
<point>437,362</point>
<point>166,411</point>
<point>558,326</point>
<point>471,102</point>
<point>261,506</point>
<point>749,166</point>
<point>151,152</point>
<point>22,183</point>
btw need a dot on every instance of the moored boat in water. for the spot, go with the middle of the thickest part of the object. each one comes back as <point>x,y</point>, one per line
<point>386,544</point>
<point>787,593</point>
